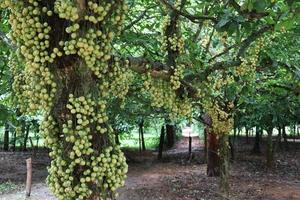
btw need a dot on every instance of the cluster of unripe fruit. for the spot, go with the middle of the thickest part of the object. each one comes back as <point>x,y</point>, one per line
<point>163,96</point>
<point>79,165</point>
<point>105,169</point>
<point>99,10</point>
<point>177,76</point>
<point>66,10</point>
<point>121,78</point>
<point>176,43</point>
<point>34,86</point>
<point>249,63</point>
<point>222,122</point>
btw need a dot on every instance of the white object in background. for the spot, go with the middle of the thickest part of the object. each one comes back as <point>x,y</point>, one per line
<point>188,132</point>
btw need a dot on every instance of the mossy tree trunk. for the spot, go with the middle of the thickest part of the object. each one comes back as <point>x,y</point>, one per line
<point>224,164</point>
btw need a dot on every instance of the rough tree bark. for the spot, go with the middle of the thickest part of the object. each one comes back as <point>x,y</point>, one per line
<point>213,159</point>
<point>224,164</point>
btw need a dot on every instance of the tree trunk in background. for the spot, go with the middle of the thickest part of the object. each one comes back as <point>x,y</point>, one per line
<point>140,142</point>
<point>270,149</point>
<point>212,155</point>
<point>190,146</point>
<point>279,137</point>
<point>234,135</point>
<point>247,136</point>
<point>26,137</point>
<point>170,133</point>
<point>286,145</point>
<point>141,130</point>
<point>205,143</point>
<point>224,164</point>
<point>256,147</point>
<point>6,138</point>
<point>231,146</point>
<point>117,138</point>
<point>294,130</point>
<point>14,141</point>
<point>161,143</point>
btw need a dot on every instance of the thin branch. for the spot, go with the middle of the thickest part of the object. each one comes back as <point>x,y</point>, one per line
<point>193,18</point>
<point>209,41</point>
<point>222,53</point>
<point>252,37</point>
<point>138,19</point>
<point>250,15</point>
<point>197,34</point>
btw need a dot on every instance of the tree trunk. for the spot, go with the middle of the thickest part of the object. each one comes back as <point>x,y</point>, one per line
<point>270,154</point>
<point>117,138</point>
<point>286,145</point>
<point>190,146</point>
<point>141,130</point>
<point>232,149</point>
<point>6,137</point>
<point>170,133</point>
<point>256,147</point>
<point>14,140</point>
<point>212,155</point>
<point>205,143</point>
<point>247,136</point>
<point>161,143</point>
<point>294,131</point>
<point>26,137</point>
<point>224,164</point>
<point>279,143</point>
<point>234,135</point>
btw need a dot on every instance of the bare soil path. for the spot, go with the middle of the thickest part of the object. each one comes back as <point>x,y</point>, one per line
<point>176,177</point>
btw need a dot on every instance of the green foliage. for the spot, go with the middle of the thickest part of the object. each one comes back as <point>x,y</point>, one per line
<point>7,187</point>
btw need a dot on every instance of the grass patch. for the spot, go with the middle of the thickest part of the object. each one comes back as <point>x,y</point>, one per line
<point>7,187</point>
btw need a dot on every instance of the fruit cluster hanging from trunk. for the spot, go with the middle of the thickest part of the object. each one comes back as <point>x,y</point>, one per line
<point>68,75</point>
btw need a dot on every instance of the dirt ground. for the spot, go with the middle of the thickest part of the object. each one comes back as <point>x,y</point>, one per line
<point>176,177</point>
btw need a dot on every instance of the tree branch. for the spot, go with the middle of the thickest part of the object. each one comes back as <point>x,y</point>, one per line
<point>142,65</point>
<point>250,15</point>
<point>252,37</point>
<point>139,18</point>
<point>7,41</point>
<point>193,18</point>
